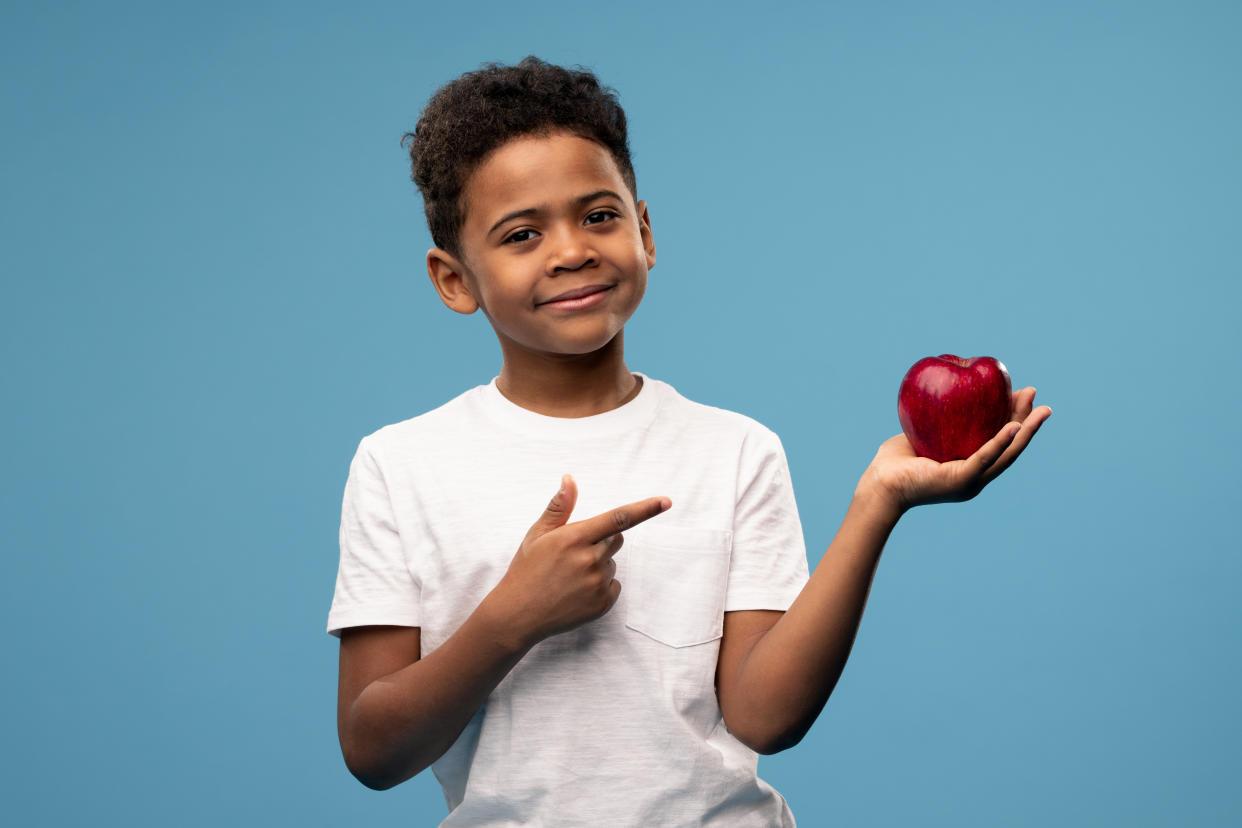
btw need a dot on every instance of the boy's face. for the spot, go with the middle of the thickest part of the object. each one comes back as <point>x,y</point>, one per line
<point>545,215</point>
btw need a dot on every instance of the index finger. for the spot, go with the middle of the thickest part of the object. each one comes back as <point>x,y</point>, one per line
<point>595,529</point>
<point>1023,400</point>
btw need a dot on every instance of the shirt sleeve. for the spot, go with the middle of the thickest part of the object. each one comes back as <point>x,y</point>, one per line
<point>768,568</point>
<point>374,582</point>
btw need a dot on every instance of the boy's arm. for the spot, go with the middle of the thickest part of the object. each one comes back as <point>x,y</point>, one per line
<point>776,670</point>
<point>397,713</point>
<point>394,723</point>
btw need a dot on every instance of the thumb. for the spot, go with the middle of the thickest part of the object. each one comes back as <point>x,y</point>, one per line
<point>559,508</point>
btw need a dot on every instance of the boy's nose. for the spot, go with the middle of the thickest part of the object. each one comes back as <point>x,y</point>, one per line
<point>571,252</point>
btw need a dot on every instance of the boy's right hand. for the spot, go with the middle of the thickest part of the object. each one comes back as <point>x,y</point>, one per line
<point>562,574</point>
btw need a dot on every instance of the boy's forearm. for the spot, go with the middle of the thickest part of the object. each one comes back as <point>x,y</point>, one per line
<point>403,722</point>
<point>791,671</point>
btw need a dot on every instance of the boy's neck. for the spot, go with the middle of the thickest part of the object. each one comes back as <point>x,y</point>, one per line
<point>581,387</point>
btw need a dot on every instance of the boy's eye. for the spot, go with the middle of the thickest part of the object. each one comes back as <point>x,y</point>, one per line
<point>514,237</point>
<point>606,214</point>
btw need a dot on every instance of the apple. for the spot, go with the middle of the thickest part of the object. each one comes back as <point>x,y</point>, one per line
<point>949,406</point>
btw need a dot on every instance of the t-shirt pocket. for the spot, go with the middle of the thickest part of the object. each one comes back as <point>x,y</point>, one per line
<point>676,582</point>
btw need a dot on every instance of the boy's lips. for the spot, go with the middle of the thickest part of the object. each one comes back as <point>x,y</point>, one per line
<point>576,293</point>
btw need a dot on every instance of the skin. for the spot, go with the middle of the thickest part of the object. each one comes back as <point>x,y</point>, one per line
<point>398,711</point>
<point>558,363</point>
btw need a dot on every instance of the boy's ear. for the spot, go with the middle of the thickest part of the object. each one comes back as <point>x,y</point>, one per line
<point>445,271</point>
<point>644,230</point>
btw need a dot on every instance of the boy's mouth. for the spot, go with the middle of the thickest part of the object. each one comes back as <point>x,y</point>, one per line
<point>576,293</point>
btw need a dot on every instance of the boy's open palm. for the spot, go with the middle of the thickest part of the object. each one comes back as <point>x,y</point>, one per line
<point>563,574</point>
<point>907,480</point>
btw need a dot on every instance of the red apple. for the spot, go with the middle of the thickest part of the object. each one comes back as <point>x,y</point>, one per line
<point>949,406</point>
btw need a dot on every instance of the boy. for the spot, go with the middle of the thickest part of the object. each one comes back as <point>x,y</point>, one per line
<point>625,668</point>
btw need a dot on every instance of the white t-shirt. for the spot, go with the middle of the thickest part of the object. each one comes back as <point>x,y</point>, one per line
<point>616,722</point>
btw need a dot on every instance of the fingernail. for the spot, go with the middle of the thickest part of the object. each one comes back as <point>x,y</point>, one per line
<point>564,483</point>
<point>665,504</point>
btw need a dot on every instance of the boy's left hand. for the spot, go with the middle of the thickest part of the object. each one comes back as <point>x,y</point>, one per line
<point>906,480</point>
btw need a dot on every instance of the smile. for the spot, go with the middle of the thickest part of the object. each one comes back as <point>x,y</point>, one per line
<point>581,302</point>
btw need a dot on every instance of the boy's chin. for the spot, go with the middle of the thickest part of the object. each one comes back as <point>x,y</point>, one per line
<point>584,349</point>
<point>570,347</point>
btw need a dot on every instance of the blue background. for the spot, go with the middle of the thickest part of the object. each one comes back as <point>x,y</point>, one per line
<point>214,286</point>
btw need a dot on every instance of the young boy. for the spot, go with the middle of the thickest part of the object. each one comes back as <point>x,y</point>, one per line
<point>624,666</point>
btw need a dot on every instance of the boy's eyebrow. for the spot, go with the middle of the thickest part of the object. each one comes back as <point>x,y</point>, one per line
<point>531,211</point>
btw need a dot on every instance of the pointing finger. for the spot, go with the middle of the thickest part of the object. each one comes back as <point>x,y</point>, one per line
<point>595,529</point>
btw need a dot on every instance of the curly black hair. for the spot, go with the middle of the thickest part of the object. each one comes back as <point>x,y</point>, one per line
<point>477,112</point>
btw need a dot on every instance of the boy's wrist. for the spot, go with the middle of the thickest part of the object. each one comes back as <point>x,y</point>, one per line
<point>502,624</point>
<point>875,499</point>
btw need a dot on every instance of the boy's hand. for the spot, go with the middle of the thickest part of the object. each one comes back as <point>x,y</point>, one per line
<point>904,480</point>
<point>562,574</point>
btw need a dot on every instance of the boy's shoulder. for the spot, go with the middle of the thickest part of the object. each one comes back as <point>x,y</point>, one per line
<point>436,425</point>
<point>725,419</point>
